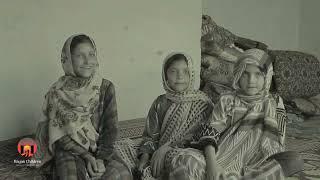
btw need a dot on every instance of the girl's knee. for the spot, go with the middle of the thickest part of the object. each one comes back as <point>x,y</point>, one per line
<point>117,171</point>
<point>69,166</point>
<point>114,174</point>
<point>187,166</point>
<point>187,160</point>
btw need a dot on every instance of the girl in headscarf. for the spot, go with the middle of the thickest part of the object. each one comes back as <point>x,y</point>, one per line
<point>172,120</point>
<point>81,114</point>
<point>247,127</point>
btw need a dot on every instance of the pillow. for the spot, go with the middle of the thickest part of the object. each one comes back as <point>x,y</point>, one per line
<point>214,69</point>
<point>305,106</point>
<point>296,74</point>
<point>309,106</point>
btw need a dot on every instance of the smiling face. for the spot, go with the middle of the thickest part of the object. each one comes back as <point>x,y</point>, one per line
<point>252,80</point>
<point>178,76</point>
<point>84,60</point>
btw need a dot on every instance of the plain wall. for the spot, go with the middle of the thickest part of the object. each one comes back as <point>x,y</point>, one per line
<point>132,38</point>
<point>275,22</point>
<point>309,37</point>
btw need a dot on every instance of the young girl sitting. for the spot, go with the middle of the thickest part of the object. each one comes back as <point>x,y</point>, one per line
<point>172,120</point>
<point>247,127</point>
<point>81,112</point>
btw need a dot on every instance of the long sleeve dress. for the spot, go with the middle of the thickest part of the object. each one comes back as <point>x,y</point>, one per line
<point>163,125</point>
<point>244,137</point>
<point>68,153</point>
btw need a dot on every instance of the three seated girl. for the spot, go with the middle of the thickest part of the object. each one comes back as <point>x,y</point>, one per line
<point>185,136</point>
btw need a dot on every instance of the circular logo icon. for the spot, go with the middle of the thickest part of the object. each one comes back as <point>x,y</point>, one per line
<point>27,147</point>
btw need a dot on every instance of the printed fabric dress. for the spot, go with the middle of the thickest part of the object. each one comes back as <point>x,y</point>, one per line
<point>245,130</point>
<point>173,119</point>
<point>80,117</point>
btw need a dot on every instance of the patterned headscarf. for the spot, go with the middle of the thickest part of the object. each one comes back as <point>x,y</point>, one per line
<point>190,94</point>
<point>71,102</point>
<point>260,59</point>
<point>66,55</point>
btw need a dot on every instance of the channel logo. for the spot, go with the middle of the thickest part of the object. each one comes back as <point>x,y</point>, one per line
<point>27,147</point>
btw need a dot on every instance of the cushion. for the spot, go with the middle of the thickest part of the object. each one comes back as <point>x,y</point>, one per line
<point>214,69</point>
<point>296,74</point>
<point>306,106</point>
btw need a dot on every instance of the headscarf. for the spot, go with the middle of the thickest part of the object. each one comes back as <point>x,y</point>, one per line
<point>71,103</point>
<point>260,59</point>
<point>190,94</point>
<point>186,109</point>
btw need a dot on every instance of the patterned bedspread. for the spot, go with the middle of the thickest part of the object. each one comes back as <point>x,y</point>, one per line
<point>304,137</point>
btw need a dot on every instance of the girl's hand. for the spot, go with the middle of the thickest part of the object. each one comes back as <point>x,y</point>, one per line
<point>213,170</point>
<point>100,165</point>
<point>91,164</point>
<point>157,160</point>
<point>143,161</point>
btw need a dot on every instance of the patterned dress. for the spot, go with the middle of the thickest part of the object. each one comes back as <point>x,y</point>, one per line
<point>80,118</point>
<point>172,120</point>
<point>179,133</point>
<point>68,161</point>
<point>244,140</point>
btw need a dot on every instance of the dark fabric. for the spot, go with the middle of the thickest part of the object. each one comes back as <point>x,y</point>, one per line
<point>69,166</point>
<point>155,117</point>
<point>108,122</point>
<point>217,37</point>
<point>217,70</point>
<point>246,44</point>
<point>214,35</point>
<point>206,135</point>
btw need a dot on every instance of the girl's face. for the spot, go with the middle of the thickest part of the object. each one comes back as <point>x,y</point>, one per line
<point>178,75</point>
<point>252,80</point>
<point>84,60</point>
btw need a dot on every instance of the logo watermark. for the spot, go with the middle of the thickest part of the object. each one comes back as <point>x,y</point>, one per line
<point>27,148</point>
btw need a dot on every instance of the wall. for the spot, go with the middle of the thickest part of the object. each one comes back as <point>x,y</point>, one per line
<point>132,38</point>
<point>309,38</point>
<point>271,21</point>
